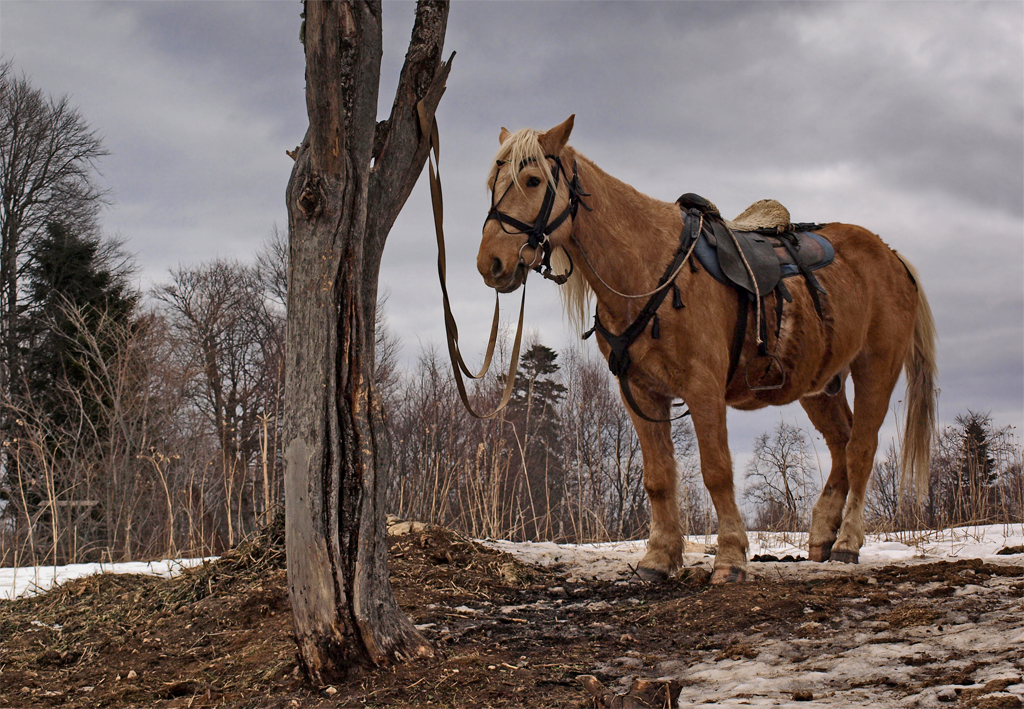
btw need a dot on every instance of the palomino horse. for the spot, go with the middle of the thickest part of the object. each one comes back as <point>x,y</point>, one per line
<point>549,202</point>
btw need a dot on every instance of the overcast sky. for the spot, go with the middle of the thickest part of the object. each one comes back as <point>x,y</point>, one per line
<point>904,117</point>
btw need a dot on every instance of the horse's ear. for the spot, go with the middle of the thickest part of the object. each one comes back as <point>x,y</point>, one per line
<point>555,139</point>
<point>503,135</point>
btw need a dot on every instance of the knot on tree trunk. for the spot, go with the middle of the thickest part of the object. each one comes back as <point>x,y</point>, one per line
<point>311,199</point>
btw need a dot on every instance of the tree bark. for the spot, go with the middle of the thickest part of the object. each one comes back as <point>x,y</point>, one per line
<point>337,448</point>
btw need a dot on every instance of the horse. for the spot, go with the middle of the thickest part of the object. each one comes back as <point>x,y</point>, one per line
<point>552,206</point>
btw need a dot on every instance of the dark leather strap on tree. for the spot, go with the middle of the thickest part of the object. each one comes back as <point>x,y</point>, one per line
<point>429,127</point>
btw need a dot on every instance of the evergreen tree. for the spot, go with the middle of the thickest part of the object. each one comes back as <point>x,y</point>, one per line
<point>977,467</point>
<point>533,411</point>
<point>537,393</point>
<point>48,156</point>
<point>72,320</point>
<point>75,291</point>
<point>965,474</point>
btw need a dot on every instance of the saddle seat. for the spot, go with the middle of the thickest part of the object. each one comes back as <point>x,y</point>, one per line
<point>754,254</point>
<point>762,237</point>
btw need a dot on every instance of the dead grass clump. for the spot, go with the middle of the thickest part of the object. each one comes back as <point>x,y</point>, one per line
<point>255,557</point>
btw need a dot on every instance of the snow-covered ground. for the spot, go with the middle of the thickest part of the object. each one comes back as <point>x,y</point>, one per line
<point>614,560</point>
<point>857,659</point>
<point>860,660</point>
<point>30,580</point>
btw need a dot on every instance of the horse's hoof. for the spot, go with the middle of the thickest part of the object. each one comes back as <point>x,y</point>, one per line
<point>733,574</point>
<point>648,575</point>
<point>846,557</point>
<point>820,553</point>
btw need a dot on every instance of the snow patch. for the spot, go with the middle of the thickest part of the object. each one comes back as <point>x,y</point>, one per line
<point>612,561</point>
<point>16,582</point>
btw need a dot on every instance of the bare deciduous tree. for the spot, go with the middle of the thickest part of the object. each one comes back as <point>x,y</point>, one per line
<point>473,476</point>
<point>78,489</point>
<point>352,176</point>
<point>48,156</point>
<point>887,508</point>
<point>231,354</point>
<point>780,478</point>
<point>272,266</point>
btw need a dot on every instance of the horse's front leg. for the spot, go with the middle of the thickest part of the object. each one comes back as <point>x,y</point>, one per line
<point>665,546</point>
<point>708,411</point>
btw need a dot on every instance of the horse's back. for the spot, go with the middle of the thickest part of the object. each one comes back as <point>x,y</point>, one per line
<point>874,290</point>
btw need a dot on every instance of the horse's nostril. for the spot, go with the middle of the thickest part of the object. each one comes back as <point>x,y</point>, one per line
<point>497,267</point>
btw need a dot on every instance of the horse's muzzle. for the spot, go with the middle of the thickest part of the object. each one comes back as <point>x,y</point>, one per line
<point>507,284</point>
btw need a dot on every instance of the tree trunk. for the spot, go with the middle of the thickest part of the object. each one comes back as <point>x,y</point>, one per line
<point>337,450</point>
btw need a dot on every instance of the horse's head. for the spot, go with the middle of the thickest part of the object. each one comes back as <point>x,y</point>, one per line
<point>534,198</point>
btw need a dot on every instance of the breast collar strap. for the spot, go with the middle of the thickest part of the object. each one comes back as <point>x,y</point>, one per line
<point>538,234</point>
<point>618,357</point>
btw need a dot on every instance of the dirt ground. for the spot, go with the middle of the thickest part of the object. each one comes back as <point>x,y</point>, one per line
<point>506,635</point>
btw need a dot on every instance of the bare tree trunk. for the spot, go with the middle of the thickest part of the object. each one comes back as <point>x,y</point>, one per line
<point>340,210</point>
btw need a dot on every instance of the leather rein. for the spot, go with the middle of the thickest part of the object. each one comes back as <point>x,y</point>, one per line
<point>538,237</point>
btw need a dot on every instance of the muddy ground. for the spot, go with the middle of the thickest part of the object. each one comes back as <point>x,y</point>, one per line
<point>508,635</point>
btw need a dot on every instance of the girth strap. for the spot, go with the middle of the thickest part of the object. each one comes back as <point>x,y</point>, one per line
<point>739,334</point>
<point>813,287</point>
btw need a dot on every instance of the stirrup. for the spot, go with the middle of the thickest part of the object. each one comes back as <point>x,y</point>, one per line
<point>765,387</point>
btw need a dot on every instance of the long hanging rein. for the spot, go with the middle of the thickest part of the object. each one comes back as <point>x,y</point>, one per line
<point>537,233</point>
<point>429,128</point>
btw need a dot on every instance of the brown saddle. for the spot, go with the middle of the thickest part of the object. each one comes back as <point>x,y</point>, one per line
<point>763,238</point>
<point>755,253</point>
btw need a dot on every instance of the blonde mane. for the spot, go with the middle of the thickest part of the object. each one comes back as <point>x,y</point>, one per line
<point>523,146</point>
<point>575,293</point>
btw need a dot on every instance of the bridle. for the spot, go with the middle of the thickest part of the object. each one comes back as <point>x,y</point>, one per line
<point>538,234</point>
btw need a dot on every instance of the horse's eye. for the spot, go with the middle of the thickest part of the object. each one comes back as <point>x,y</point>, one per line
<point>533,182</point>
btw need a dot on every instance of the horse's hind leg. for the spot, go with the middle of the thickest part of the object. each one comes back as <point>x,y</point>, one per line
<point>874,377</point>
<point>832,417</point>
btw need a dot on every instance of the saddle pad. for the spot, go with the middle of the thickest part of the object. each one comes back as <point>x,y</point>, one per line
<point>814,252</point>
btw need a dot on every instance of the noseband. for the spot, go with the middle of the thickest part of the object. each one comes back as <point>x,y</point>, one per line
<point>538,234</point>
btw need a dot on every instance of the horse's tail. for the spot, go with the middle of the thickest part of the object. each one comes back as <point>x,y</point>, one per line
<point>921,397</point>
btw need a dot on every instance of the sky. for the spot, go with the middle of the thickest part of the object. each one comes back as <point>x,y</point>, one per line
<point>904,117</point>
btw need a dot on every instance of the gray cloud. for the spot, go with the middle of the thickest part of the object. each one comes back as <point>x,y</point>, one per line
<point>907,118</point>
